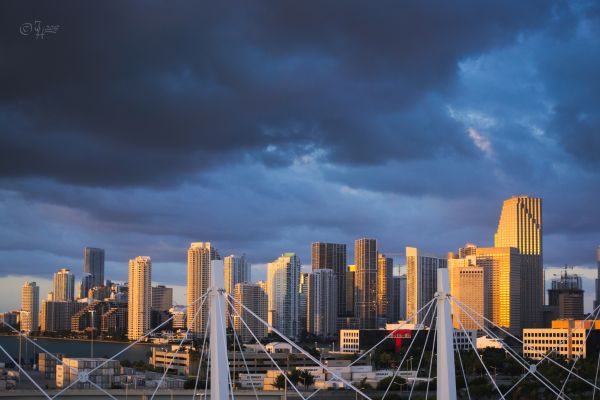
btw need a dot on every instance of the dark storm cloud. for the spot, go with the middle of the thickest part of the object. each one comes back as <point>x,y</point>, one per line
<point>148,93</point>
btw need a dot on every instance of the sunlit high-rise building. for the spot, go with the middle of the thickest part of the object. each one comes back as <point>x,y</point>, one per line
<point>200,255</point>
<point>385,273</point>
<point>421,283</point>
<point>283,279</point>
<point>322,305</point>
<point>365,283</point>
<point>30,307</point>
<point>64,285</point>
<point>139,297</point>
<point>93,264</point>
<point>254,298</point>
<point>332,256</point>
<point>520,226</point>
<point>502,272</point>
<point>467,286</point>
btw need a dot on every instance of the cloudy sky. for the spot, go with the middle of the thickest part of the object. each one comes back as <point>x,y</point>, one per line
<point>139,127</point>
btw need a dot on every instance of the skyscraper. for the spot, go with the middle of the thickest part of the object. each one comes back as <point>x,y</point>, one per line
<point>200,255</point>
<point>520,226</point>
<point>64,285</point>
<point>162,298</point>
<point>385,273</point>
<point>333,256</point>
<point>365,281</point>
<point>85,285</point>
<point>283,283</point>
<point>93,264</point>
<point>302,303</point>
<point>502,272</point>
<point>30,307</point>
<point>421,283</point>
<point>237,269</point>
<point>467,285</point>
<point>140,297</point>
<point>399,298</point>
<point>254,297</point>
<point>350,289</point>
<point>322,305</point>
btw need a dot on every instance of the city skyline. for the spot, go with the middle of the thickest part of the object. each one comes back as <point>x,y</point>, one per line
<point>341,131</point>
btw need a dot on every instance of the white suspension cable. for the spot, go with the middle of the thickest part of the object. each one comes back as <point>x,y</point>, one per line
<point>414,339</point>
<point>101,389</point>
<point>562,389</point>
<point>24,372</point>
<point>412,388</point>
<point>295,345</point>
<point>433,346</point>
<point>185,336</point>
<point>237,339</point>
<point>364,354</point>
<point>596,378</point>
<point>262,346</point>
<point>546,356</point>
<point>478,355</point>
<point>201,357</point>
<point>510,351</point>
<point>125,349</point>
<point>462,368</point>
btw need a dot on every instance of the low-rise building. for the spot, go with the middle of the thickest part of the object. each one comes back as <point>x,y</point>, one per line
<point>72,369</point>
<point>178,362</point>
<point>566,338</point>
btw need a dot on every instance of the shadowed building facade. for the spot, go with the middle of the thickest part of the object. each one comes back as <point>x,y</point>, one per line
<point>421,283</point>
<point>332,256</point>
<point>93,264</point>
<point>365,283</point>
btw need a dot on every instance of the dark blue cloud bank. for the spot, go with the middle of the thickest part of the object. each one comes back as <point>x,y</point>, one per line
<point>263,126</point>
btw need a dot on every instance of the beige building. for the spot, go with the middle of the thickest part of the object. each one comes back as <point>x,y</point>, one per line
<point>178,360</point>
<point>200,255</point>
<point>254,297</point>
<point>467,286</point>
<point>283,280</point>
<point>385,274</point>
<point>322,306</point>
<point>139,297</point>
<point>566,338</point>
<point>71,369</point>
<point>30,307</point>
<point>64,285</point>
<point>520,226</point>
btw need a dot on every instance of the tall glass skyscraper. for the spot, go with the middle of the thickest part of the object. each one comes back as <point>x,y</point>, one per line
<point>93,264</point>
<point>520,226</point>
<point>283,280</point>
<point>421,283</point>
<point>365,281</point>
<point>332,256</point>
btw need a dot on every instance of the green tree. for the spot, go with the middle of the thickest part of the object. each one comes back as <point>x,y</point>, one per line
<point>280,381</point>
<point>306,378</point>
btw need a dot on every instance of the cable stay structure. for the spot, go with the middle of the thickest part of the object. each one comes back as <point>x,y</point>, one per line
<point>444,370</point>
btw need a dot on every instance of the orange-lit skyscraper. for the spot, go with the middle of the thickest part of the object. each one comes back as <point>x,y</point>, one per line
<point>139,297</point>
<point>520,226</point>
<point>385,274</point>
